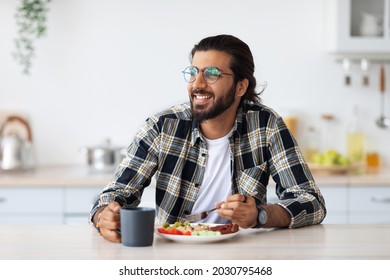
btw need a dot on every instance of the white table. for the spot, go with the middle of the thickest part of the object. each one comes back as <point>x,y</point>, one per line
<point>81,242</point>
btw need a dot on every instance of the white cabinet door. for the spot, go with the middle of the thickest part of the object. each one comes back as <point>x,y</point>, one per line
<point>336,201</point>
<point>369,219</point>
<point>31,205</point>
<point>78,203</point>
<point>80,199</point>
<point>369,204</point>
<point>358,26</point>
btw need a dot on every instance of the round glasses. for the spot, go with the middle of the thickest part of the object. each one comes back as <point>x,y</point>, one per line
<point>210,74</point>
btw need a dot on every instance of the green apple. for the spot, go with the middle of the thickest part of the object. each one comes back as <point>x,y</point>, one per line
<point>330,158</point>
<point>317,158</point>
<point>343,161</point>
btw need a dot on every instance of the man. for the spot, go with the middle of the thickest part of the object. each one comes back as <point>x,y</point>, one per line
<point>218,150</point>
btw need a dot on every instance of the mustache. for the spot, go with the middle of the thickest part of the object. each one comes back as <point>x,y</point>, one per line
<point>201,91</point>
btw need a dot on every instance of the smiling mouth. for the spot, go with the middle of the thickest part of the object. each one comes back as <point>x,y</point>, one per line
<point>201,96</point>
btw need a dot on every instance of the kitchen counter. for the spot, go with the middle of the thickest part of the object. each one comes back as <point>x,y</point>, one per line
<point>320,242</point>
<point>54,176</point>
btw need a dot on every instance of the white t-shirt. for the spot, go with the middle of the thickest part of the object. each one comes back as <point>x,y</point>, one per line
<point>216,184</point>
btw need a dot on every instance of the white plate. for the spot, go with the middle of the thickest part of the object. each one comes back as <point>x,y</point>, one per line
<point>197,238</point>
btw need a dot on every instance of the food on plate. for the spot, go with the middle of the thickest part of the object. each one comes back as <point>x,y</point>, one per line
<point>186,228</point>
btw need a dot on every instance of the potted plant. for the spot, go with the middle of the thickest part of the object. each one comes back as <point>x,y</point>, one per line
<point>31,17</point>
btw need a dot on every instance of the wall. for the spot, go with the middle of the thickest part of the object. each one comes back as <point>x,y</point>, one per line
<point>105,65</point>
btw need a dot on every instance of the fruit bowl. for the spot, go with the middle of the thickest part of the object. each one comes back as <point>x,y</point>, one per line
<point>334,169</point>
<point>331,162</point>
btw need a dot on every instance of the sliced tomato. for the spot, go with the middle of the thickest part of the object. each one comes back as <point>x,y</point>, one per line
<point>162,230</point>
<point>173,230</point>
<point>177,232</point>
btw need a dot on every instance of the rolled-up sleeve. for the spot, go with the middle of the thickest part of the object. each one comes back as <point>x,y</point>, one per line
<point>135,171</point>
<point>295,185</point>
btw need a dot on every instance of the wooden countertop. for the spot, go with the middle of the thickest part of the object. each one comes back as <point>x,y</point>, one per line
<point>82,242</point>
<point>74,176</point>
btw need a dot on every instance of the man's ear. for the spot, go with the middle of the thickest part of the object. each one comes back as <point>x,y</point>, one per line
<point>242,87</point>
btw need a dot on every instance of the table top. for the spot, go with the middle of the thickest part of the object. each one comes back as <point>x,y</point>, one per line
<point>82,242</point>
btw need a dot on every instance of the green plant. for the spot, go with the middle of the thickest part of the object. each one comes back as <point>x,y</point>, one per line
<point>31,23</point>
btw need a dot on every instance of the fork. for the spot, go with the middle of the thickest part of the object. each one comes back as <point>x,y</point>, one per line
<point>204,214</point>
<point>200,216</point>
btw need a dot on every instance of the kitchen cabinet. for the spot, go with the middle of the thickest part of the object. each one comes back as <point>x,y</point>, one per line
<point>369,204</point>
<point>31,206</point>
<point>53,205</point>
<point>336,201</point>
<point>358,26</point>
<point>78,202</point>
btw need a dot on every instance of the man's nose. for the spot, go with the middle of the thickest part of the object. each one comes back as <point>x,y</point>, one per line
<point>199,82</point>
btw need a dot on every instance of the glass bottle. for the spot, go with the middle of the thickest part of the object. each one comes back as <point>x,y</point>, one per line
<point>355,139</point>
<point>312,143</point>
<point>327,133</point>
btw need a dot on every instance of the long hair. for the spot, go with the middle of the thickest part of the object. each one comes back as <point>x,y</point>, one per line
<point>241,62</point>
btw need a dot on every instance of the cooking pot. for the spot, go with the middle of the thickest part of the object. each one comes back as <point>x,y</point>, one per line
<point>15,151</point>
<point>104,157</point>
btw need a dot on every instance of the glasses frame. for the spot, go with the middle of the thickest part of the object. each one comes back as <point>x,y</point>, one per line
<point>220,73</point>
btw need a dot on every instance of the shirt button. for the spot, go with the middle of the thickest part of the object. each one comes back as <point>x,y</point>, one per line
<point>196,185</point>
<point>203,154</point>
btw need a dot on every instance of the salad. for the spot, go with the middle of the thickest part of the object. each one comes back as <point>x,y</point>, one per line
<point>186,228</point>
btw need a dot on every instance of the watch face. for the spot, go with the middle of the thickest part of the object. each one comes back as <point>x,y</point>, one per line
<point>262,217</point>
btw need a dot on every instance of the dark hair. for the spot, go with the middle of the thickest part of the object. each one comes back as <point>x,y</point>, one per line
<point>241,62</point>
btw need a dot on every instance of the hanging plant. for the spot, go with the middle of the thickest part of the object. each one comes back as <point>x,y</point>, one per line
<point>31,23</point>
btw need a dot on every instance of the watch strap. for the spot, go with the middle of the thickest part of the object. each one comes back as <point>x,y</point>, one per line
<point>260,214</point>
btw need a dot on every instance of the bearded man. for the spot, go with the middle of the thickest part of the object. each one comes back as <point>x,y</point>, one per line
<point>218,150</point>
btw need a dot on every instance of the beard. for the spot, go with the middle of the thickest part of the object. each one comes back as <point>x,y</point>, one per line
<point>200,112</point>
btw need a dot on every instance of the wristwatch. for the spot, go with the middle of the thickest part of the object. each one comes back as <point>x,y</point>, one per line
<point>262,217</point>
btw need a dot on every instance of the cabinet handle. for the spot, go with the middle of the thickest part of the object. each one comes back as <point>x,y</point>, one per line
<point>381,199</point>
<point>2,199</point>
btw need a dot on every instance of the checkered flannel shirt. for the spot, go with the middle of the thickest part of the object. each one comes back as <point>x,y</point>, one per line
<point>170,147</point>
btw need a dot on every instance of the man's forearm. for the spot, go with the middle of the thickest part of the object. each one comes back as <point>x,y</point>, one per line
<point>277,216</point>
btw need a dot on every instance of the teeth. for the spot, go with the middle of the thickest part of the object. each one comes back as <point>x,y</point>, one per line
<point>202,97</point>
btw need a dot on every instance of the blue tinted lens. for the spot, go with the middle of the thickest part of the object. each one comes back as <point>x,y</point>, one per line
<point>190,73</point>
<point>211,74</point>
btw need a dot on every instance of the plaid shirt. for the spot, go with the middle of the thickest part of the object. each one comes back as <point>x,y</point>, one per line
<point>171,147</point>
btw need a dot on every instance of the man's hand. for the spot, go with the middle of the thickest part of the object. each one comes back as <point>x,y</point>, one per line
<point>108,222</point>
<point>244,212</point>
<point>239,209</point>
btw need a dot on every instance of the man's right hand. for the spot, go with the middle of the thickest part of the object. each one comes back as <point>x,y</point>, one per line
<point>108,222</point>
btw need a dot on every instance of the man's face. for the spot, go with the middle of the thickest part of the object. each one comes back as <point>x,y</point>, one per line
<point>209,101</point>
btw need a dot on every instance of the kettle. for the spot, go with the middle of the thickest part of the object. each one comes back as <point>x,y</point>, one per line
<point>15,151</point>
